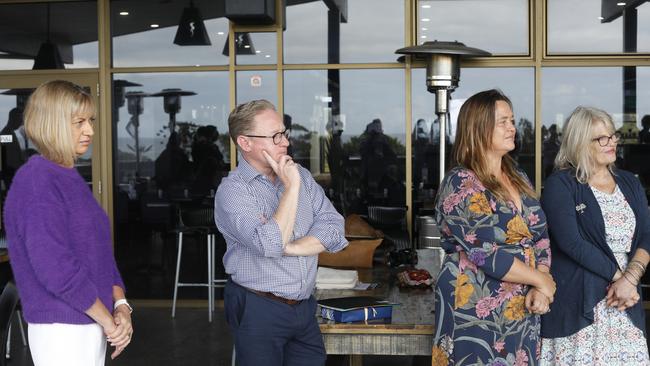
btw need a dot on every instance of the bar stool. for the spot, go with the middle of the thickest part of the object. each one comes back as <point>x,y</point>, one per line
<point>198,220</point>
<point>9,305</point>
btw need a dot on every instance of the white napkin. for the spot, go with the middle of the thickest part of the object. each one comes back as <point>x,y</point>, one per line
<point>328,278</point>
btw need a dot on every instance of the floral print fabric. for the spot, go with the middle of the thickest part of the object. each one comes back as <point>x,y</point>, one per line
<point>480,319</point>
<point>612,339</point>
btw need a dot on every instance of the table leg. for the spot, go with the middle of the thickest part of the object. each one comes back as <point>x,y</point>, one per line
<point>356,360</point>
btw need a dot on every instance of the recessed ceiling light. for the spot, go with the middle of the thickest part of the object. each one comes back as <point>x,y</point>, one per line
<point>267,56</point>
<point>620,4</point>
<point>600,18</point>
<point>220,33</point>
<point>258,51</point>
<point>423,36</point>
<point>154,25</point>
<point>124,13</point>
<point>425,29</point>
<point>426,6</point>
<point>247,46</point>
<point>425,19</point>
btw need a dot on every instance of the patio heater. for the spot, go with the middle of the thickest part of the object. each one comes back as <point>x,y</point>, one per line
<point>443,74</point>
<point>135,106</point>
<point>172,103</point>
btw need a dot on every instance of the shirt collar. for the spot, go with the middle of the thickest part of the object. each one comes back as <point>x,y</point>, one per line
<point>247,172</point>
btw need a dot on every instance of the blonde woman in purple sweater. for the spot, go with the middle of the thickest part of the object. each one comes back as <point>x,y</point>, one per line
<point>59,239</point>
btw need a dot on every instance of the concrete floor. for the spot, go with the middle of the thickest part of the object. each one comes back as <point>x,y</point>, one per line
<point>187,340</point>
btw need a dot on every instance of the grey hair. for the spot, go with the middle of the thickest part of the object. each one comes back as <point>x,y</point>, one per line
<point>576,150</point>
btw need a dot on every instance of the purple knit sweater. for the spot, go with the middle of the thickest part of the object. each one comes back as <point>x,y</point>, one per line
<point>59,243</point>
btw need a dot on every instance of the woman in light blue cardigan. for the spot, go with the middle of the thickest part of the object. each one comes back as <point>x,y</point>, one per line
<point>600,239</point>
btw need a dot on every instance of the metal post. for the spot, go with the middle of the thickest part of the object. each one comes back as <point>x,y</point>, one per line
<point>442,101</point>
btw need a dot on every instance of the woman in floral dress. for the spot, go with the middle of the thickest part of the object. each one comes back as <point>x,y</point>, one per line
<point>600,234</point>
<point>494,280</point>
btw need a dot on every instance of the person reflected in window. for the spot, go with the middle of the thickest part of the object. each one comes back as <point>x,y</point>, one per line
<point>275,219</point>
<point>376,158</point>
<point>420,142</point>
<point>644,134</point>
<point>550,148</point>
<point>172,167</point>
<point>494,281</point>
<point>59,238</point>
<point>599,228</point>
<point>204,146</point>
<point>209,166</point>
<point>12,154</point>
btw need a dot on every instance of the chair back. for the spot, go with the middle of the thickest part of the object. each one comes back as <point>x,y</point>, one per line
<point>8,301</point>
<point>197,216</point>
<point>392,221</point>
<point>385,217</point>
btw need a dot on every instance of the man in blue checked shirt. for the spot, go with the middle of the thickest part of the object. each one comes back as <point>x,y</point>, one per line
<point>275,220</point>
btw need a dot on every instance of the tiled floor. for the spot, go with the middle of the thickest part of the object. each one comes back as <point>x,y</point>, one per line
<point>187,340</point>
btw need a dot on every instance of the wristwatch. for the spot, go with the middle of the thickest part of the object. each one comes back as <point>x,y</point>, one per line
<point>122,302</point>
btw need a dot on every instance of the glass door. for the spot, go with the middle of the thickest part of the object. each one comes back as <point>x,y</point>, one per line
<point>15,147</point>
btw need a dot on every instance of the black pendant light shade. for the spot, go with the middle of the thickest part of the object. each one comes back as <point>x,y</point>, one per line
<point>48,57</point>
<point>243,45</point>
<point>191,29</point>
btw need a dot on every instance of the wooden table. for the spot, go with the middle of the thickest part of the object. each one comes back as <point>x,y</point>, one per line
<point>408,333</point>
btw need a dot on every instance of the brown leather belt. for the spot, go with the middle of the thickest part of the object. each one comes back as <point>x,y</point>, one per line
<point>271,296</point>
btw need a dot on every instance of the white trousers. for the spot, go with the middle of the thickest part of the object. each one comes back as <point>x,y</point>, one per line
<point>67,344</point>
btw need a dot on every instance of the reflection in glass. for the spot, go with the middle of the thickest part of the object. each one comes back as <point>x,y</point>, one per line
<point>363,31</point>
<point>66,28</point>
<point>354,146</point>
<point>516,83</point>
<point>144,32</point>
<point>497,26</point>
<point>255,48</point>
<point>564,88</point>
<point>171,150</point>
<point>621,28</point>
<point>253,85</point>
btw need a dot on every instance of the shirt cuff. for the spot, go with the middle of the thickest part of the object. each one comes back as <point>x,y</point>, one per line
<point>270,239</point>
<point>330,238</point>
<point>82,296</point>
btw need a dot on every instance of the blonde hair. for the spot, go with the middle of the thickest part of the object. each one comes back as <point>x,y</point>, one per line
<point>476,123</point>
<point>48,118</point>
<point>576,147</point>
<point>240,120</point>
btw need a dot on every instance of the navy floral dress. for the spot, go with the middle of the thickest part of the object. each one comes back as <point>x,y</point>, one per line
<point>480,319</point>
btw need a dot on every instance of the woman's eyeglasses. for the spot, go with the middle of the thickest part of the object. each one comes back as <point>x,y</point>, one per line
<point>604,140</point>
<point>277,137</point>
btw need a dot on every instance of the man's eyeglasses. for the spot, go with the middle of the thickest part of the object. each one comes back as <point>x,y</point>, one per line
<point>604,140</point>
<point>277,137</point>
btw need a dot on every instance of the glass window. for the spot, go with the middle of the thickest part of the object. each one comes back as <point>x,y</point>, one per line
<point>565,88</point>
<point>581,26</point>
<point>257,85</point>
<point>516,83</point>
<point>371,32</point>
<point>70,28</point>
<point>504,31</point>
<point>147,33</point>
<point>256,48</point>
<point>157,173</point>
<point>348,129</point>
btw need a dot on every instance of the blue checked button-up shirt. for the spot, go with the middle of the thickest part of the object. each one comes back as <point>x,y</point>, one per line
<point>243,211</point>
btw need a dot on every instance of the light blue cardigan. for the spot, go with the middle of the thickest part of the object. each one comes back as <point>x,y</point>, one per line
<point>582,262</point>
